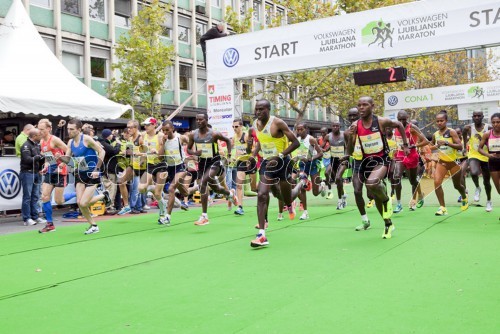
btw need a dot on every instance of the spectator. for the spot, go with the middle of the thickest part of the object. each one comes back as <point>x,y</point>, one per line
<point>21,139</point>
<point>31,164</point>
<point>8,138</point>
<point>60,130</point>
<point>109,180</point>
<point>215,32</point>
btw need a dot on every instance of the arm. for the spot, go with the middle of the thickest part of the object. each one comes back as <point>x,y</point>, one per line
<point>220,136</point>
<point>387,123</point>
<point>457,144</point>
<point>190,146</point>
<point>249,140</point>
<point>319,152</point>
<point>422,140</point>
<point>89,142</point>
<point>350,134</point>
<point>27,155</point>
<point>484,141</point>
<point>466,134</point>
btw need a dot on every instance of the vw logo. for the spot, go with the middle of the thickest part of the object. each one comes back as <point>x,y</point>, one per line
<point>231,57</point>
<point>10,185</point>
<point>392,100</point>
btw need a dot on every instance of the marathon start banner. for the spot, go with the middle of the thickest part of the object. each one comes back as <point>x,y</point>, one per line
<point>401,31</point>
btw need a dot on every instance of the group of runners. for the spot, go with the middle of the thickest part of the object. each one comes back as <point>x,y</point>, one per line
<point>378,150</point>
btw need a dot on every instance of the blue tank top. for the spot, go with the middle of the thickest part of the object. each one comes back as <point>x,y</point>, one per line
<point>85,157</point>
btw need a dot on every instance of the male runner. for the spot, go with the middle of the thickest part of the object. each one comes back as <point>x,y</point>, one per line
<point>275,170</point>
<point>55,172</point>
<point>209,166</point>
<point>88,157</point>
<point>477,162</point>
<point>337,142</point>
<point>325,148</point>
<point>372,170</point>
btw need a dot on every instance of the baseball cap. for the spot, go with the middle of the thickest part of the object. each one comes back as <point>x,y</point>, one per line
<point>106,133</point>
<point>150,120</point>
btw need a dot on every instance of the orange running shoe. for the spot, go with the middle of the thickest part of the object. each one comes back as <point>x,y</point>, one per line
<point>291,211</point>
<point>259,241</point>
<point>202,221</point>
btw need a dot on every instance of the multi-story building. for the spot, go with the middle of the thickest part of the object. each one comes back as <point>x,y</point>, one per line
<point>81,33</point>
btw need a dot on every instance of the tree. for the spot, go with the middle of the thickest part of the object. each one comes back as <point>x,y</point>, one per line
<point>144,59</point>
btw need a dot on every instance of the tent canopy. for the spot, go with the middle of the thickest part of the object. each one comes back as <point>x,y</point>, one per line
<point>34,81</point>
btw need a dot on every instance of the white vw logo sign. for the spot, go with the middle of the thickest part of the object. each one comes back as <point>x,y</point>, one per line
<point>231,57</point>
<point>9,184</point>
<point>393,100</point>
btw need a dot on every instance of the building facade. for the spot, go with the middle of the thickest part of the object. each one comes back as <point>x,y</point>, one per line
<point>81,33</point>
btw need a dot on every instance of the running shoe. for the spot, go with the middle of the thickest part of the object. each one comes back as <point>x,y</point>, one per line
<point>124,210</point>
<point>465,204</point>
<point>413,205</point>
<point>442,211</point>
<point>344,201</point>
<point>370,203</point>
<point>30,222</point>
<point>322,187</point>
<point>459,199</point>
<point>239,212</point>
<point>291,211</point>
<point>202,221</point>
<point>420,203</point>
<point>266,225</point>
<point>164,221</point>
<point>107,198</point>
<point>232,197</point>
<point>92,229</point>
<point>303,179</point>
<point>364,226</point>
<point>387,209</point>
<point>280,217</point>
<point>330,195</point>
<point>184,206</point>
<point>304,216</point>
<point>477,194</point>
<point>388,229</point>
<point>489,206</point>
<point>340,204</point>
<point>47,228</point>
<point>398,208</point>
<point>259,241</point>
<point>40,221</point>
<point>146,207</point>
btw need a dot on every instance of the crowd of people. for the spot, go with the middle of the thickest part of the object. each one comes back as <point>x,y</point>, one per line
<point>374,151</point>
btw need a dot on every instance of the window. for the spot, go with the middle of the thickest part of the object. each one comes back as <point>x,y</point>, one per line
<point>97,10</point>
<point>72,57</point>
<point>51,43</point>
<point>201,80</point>
<point>256,11</point>
<point>123,13</point>
<point>185,77</point>
<point>168,84</point>
<point>99,62</point>
<point>98,67</point>
<point>167,26</point>
<point>281,14</point>
<point>259,89</point>
<point>243,7</point>
<point>269,15</point>
<point>184,30</point>
<point>216,3</point>
<point>245,91</point>
<point>201,28</point>
<point>71,7</point>
<point>42,3</point>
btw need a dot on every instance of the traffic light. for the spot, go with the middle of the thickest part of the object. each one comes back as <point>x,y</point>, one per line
<point>386,75</point>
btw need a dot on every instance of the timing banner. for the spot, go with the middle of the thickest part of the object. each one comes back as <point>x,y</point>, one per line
<point>443,96</point>
<point>411,29</point>
<point>220,106</point>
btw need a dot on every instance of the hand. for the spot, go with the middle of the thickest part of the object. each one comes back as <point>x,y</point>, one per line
<point>61,123</point>
<point>197,153</point>
<point>57,155</point>
<point>406,149</point>
<point>440,143</point>
<point>94,175</point>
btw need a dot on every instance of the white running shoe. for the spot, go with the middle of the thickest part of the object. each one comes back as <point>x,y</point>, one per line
<point>280,217</point>
<point>340,204</point>
<point>30,222</point>
<point>304,216</point>
<point>489,206</point>
<point>41,221</point>
<point>344,201</point>
<point>477,194</point>
<point>322,187</point>
<point>164,221</point>
<point>92,229</point>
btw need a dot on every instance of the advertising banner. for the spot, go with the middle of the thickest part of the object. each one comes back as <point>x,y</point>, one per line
<point>488,108</point>
<point>411,29</point>
<point>220,106</point>
<point>443,96</point>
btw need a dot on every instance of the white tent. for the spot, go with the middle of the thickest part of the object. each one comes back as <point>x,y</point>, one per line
<point>34,81</point>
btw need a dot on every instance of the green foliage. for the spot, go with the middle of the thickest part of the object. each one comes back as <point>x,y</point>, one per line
<point>239,26</point>
<point>144,59</point>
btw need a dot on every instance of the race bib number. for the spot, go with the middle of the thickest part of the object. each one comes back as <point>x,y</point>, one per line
<point>337,151</point>
<point>372,143</point>
<point>174,156</point>
<point>49,157</point>
<point>206,150</point>
<point>80,164</point>
<point>494,144</point>
<point>268,150</point>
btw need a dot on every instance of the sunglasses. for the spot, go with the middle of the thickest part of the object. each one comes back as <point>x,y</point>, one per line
<point>235,127</point>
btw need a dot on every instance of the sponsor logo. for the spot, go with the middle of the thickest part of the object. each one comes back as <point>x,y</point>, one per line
<point>220,117</point>
<point>418,98</point>
<point>10,184</point>
<point>476,92</point>
<point>211,89</point>
<point>231,57</point>
<point>378,33</point>
<point>392,100</point>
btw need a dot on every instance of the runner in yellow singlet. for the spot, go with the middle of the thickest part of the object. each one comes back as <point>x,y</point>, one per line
<point>275,170</point>
<point>447,142</point>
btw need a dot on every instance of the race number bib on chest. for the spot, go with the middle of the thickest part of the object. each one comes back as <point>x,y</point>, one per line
<point>80,164</point>
<point>49,157</point>
<point>372,143</point>
<point>268,150</point>
<point>206,150</point>
<point>337,151</point>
